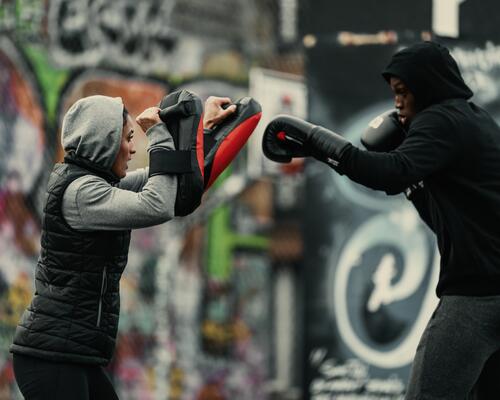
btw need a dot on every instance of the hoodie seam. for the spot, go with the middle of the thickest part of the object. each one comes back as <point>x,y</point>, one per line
<point>77,203</point>
<point>76,198</point>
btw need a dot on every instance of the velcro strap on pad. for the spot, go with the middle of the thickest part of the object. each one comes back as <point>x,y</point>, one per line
<point>169,162</point>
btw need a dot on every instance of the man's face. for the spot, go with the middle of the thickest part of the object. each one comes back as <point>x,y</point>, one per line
<point>404,100</point>
<point>127,150</point>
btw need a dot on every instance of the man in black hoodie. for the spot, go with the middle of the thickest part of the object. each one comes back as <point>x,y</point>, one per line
<point>448,164</point>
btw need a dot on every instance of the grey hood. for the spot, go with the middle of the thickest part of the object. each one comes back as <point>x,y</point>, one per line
<point>92,131</point>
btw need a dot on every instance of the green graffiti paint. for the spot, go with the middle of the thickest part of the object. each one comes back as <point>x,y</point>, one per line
<point>257,242</point>
<point>51,79</point>
<point>222,241</point>
<point>219,245</point>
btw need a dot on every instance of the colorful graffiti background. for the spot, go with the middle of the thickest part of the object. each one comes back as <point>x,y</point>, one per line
<point>195,317</point>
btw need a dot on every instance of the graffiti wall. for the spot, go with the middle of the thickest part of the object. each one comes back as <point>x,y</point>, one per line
<point>373,263</point>
<point>195,318</point>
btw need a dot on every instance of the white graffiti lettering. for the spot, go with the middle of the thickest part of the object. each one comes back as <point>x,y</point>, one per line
<point>401,230</point>
<point>480,69</point>
<point>391,385</point>
<point>485,59</point>
<point>126,33</point>
<point>353,368</point>
<point>382,278</point>
<point>351,380</point>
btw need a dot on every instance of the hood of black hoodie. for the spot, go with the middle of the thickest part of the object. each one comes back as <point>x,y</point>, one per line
<point>430,73</point>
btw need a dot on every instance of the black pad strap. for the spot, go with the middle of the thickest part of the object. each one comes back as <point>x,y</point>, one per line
<point>162,161</point>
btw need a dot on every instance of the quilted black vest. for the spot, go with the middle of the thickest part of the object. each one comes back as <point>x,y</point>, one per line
<point>73,316</point>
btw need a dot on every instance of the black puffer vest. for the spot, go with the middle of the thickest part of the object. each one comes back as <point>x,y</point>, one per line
<point>73,316</point>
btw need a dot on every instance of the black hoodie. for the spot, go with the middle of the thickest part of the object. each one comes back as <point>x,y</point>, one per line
<point>454,147</point>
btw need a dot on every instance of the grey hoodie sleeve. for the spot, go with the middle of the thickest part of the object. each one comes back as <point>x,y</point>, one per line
<point>91,203</point>
<point>134,180</point>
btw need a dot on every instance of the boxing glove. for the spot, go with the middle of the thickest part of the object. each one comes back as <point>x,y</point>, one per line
<point>384,133</point>
<point>286,137</point>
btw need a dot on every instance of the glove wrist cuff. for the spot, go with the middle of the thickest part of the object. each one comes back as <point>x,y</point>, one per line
<point>328,146</point>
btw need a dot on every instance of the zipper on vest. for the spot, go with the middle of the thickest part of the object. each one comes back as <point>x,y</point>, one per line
<point>103,289</point>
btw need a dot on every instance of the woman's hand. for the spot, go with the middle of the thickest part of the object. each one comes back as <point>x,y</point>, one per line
<point>149,117</point>
<point>214,113</point>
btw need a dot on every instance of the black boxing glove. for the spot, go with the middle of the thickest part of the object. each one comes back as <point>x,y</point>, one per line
<point>384,133</point>
<point>286,137</point>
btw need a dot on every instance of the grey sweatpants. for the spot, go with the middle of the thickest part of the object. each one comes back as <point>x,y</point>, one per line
<point>458,356</point>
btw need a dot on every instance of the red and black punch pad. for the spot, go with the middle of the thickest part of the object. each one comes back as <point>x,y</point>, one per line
<point>224,142</point>
<point>182,113</point>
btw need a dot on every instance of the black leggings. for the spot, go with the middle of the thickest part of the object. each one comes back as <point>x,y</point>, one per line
<point>459,354</point>
<point>46,380</point>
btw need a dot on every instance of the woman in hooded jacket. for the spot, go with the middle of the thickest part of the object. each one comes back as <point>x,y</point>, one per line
<point>68,332</point>
<point>446,159</point>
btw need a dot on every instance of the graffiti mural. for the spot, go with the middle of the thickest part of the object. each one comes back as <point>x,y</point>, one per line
<point>216,340</point>
<point>169,337</point>
<point>374,264</point>
<point>234,328</point>
<point>124,34</point>
<point>480,66</point>
<point>373,284</point>
<point>196,318</point>
<point>156,37</point>
<point>22,160</point>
